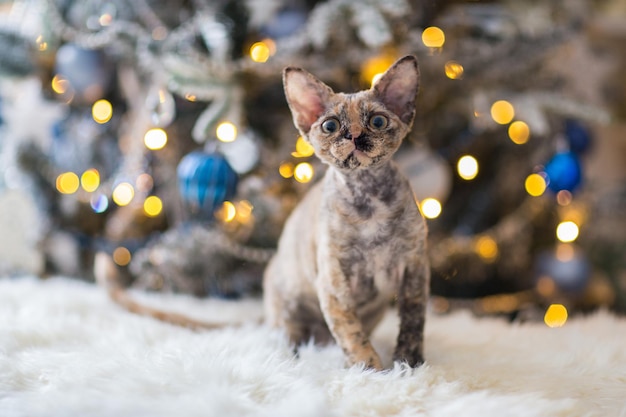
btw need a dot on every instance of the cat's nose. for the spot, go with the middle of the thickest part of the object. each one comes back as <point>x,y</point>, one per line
<point>362,143</point>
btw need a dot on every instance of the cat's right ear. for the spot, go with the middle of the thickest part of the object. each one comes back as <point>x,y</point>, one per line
<point>306,96</point>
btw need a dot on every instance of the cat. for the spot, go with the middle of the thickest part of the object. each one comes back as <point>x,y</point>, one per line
<point>357,239</point>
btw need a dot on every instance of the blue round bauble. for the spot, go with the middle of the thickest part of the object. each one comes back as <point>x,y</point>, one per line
<point>563,172</point>
<point>566,266</point>
<point>578,136</point>
<point>88,71</point>
<point>205,181</point>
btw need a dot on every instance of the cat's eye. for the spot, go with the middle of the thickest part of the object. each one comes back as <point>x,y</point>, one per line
<point>378,121</point>
<point>330,125</point>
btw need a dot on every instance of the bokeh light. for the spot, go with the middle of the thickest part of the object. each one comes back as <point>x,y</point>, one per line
<point>227,212</point>
<point>454,70</point>
<point>121,256</point>
<point>433,37</point>
<point>567,231</point>
<point>535,185</point>
<point>226,132</point>
<point>303,148</point>
<point>123,194</point>
<point>102,111</point>
<point>430,207</point>
<point>152,206</point>
<point>467,167</point>
<point>303,172</point>
<point>286,170</point>
<point>90,180</point>
<point>519,132</point>
<point>99,203</point>
<point>260,52</point>
<point>502,112</point>
<point>487,248</point>
<point>375,67</point>
<point>67,183</point>
<point>556,315</point>
<point>155,139</point>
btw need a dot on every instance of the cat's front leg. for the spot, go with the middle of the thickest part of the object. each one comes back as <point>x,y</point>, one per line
<point>339,310</point>
<point>412,301</point>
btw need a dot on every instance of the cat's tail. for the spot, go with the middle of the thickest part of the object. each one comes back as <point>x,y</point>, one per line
<point>108,277</point>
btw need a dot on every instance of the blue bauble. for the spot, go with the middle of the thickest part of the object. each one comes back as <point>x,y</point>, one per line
<point>563,172</point>
<point>578,136</point>
<point>87,70</point>
<point>205,181</point>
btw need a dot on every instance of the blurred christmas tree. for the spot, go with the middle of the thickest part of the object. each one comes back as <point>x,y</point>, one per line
<point>157,131</point>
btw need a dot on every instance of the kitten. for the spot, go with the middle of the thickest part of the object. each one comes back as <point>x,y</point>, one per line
<point>357,239</point>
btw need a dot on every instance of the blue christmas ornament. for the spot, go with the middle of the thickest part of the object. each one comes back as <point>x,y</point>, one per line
<point>205,181</point>
<point>285,23</point>
<point>87,70</point>
<point>563,172</point>
<point>578,136</point>
<point>567,267</point>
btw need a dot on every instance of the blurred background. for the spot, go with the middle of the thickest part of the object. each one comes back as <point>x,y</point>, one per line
<point>157,131</point>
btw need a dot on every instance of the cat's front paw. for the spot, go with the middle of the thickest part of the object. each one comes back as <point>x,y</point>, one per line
<point>412,358</point>
<point>371,361</point>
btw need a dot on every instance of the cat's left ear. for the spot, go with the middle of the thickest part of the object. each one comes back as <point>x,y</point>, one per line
<point>397,88</point>
<point>306,95</point>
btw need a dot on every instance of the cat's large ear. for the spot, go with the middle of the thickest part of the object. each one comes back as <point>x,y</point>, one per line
<point>397,88</point>
<point>306,96</point>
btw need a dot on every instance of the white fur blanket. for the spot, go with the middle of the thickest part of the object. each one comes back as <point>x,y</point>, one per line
<point>66,350</point>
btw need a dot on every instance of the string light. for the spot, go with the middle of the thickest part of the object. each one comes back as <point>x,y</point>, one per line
<point>519,132</point>
<point>431,208</point>
<point>303,172</point>
<point>67,183</point>
<point>433,37</point>
<point>556,315</point>
<point>375,67</point>
<point>261,51</point>
<point>502,112</point>
<point>535,185</point>
<point>567,231</point>
<point>226,132</point>
<point>121,256</point>
<point>227,212</point>
<point>123,194</point>
<point>99,203</point>
<point>102,111</point>
<point>303,148</point>
<point>286,170</point>
<point>90,180</point>
<point>467,167</point>
<point>155,139</point>
<point>487,248</point>
<point>454,70</point>
<point>152,206</point>
<point>41,43</point>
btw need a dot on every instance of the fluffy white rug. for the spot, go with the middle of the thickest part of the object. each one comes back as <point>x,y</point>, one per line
<point>66,350</point>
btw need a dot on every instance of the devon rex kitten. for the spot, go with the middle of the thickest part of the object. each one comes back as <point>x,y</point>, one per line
<point>357,238</point>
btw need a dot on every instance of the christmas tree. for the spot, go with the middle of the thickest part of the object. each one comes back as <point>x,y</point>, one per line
<point>157,131</point>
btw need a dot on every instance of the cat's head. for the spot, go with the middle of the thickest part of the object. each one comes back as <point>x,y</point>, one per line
<point>353,131</point>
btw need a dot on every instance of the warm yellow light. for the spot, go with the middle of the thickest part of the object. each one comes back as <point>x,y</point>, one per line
<point>260,52</point>
<point>303,172</point>
<point>67,183</point>
<point>121,256</point>
<point>519,132</point>
<point>226,132</point>
<point>90,180</point>
<point>454,70</point>
<point>535,185</point>
<point>567,231</point>
<point>374,68</point>
<point>41,43</point>
<point>191,97</point>
<point>227,212</point>
<point>123,194</point>
<point>286,170</point>
<point>467,167</point>
<point>433,37</point>
<point>59,84</point>
<point>244,210</point>
<point>556,315</point>
<point>502,112</point>
<point>303,148</point>
<point>155,139</point>
<point>152,206</point>
<point>431,208</point>
<point>487,248</point>
<point>102,111</point>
